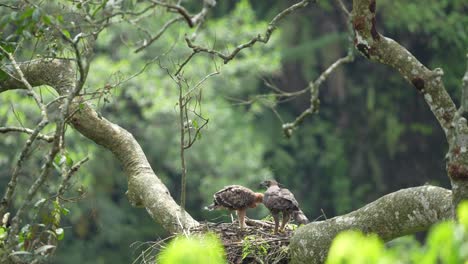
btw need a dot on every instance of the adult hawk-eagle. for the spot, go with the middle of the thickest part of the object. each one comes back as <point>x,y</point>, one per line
<point>236,197</point>
<point>277,200</point>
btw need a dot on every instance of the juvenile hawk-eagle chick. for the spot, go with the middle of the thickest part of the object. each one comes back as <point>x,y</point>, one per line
<point>277,200</point>
<point>236,197</point>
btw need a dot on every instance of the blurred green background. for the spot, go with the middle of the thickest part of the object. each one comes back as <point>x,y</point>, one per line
<point>374,133</point>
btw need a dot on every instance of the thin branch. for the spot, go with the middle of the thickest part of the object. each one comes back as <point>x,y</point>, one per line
<point>185,62</point>
<point>159,34</point>
<point>9,6</point>
<point>344,8</point>
<point>259,38</point>
<point>182,144</point>
<point>68,175</point>
<point>16,220</point>
<point>6,200</point>
<point>179,9</point>
<point>288,128</point>
<point>28,86</point>
<point>201,82</point>
<point>124,13</point>
<point>27,131</point>
<point>197,132</point>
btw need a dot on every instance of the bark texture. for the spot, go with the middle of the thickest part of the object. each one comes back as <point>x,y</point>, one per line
<point>144,187</point>
<point>429,83</point>
<point>397,214</point>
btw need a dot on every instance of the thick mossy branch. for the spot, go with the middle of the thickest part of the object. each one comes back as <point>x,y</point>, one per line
<point>397,214</point>
<point>145,188</point>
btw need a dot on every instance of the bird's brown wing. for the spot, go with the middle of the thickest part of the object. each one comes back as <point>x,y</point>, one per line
<point>280,199</point>
<point>288,195</point>
<point>234,197</point>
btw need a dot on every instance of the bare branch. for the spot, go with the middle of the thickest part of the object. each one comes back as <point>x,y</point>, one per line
<point>344,8</point>
<point>6,200</point>
<point>192,20</point>
<point>288,128</point>
<point>159,34</point>
<point>26,83</point>
<point>259,38</point>
<point>68,175</point>
<point>9,6</point>
<point>185,62</point>
<point>182,109</point>
<point>27,131</point>
<point>16,220</point>
<point>179,9</point>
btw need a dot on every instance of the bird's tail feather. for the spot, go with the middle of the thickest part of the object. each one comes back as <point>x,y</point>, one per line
<point>300,217</point>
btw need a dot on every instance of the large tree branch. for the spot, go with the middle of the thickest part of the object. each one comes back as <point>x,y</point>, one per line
<point>429,83</point>
<point>145,188</point>
<point>397,214</point>
<point>385,50</point>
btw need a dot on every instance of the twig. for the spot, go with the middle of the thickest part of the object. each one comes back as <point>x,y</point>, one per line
<point>6,200</point>
<point>344,8</point>
<point>159,34</point>
<point>68,176</point>
<point>323,213</point>
<point>182,143</point>
<point>33,189</point>
<point>179,9</point>
<point>27,131</point>
<point>28,86</point>
<point>288,128</point>
<point>259,38</point>
<point>185,62</point>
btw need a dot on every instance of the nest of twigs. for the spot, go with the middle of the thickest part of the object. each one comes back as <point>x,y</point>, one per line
<point>254,244</point>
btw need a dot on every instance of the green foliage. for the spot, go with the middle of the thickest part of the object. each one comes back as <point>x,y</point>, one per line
<point>343,249</point>
<point>363,143</point>
<point>252,249</point>
<point>193,250</point>
<point>446,243</point>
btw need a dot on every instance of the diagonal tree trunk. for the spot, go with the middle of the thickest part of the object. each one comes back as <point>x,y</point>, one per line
<point>410,210</point>
<point>144,187</point>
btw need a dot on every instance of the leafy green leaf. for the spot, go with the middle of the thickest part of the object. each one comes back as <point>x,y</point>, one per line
<point>46,19</point>
<point>65,211</point>
<point>193,250</point>
<point>462,214</point>
<point>69,160</point>
<point>3,75</point>
<point>3,233</point>
<point>66,33</point>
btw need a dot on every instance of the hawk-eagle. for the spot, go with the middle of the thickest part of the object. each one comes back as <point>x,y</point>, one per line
<point>277,200</point>
<point>236,197</point>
